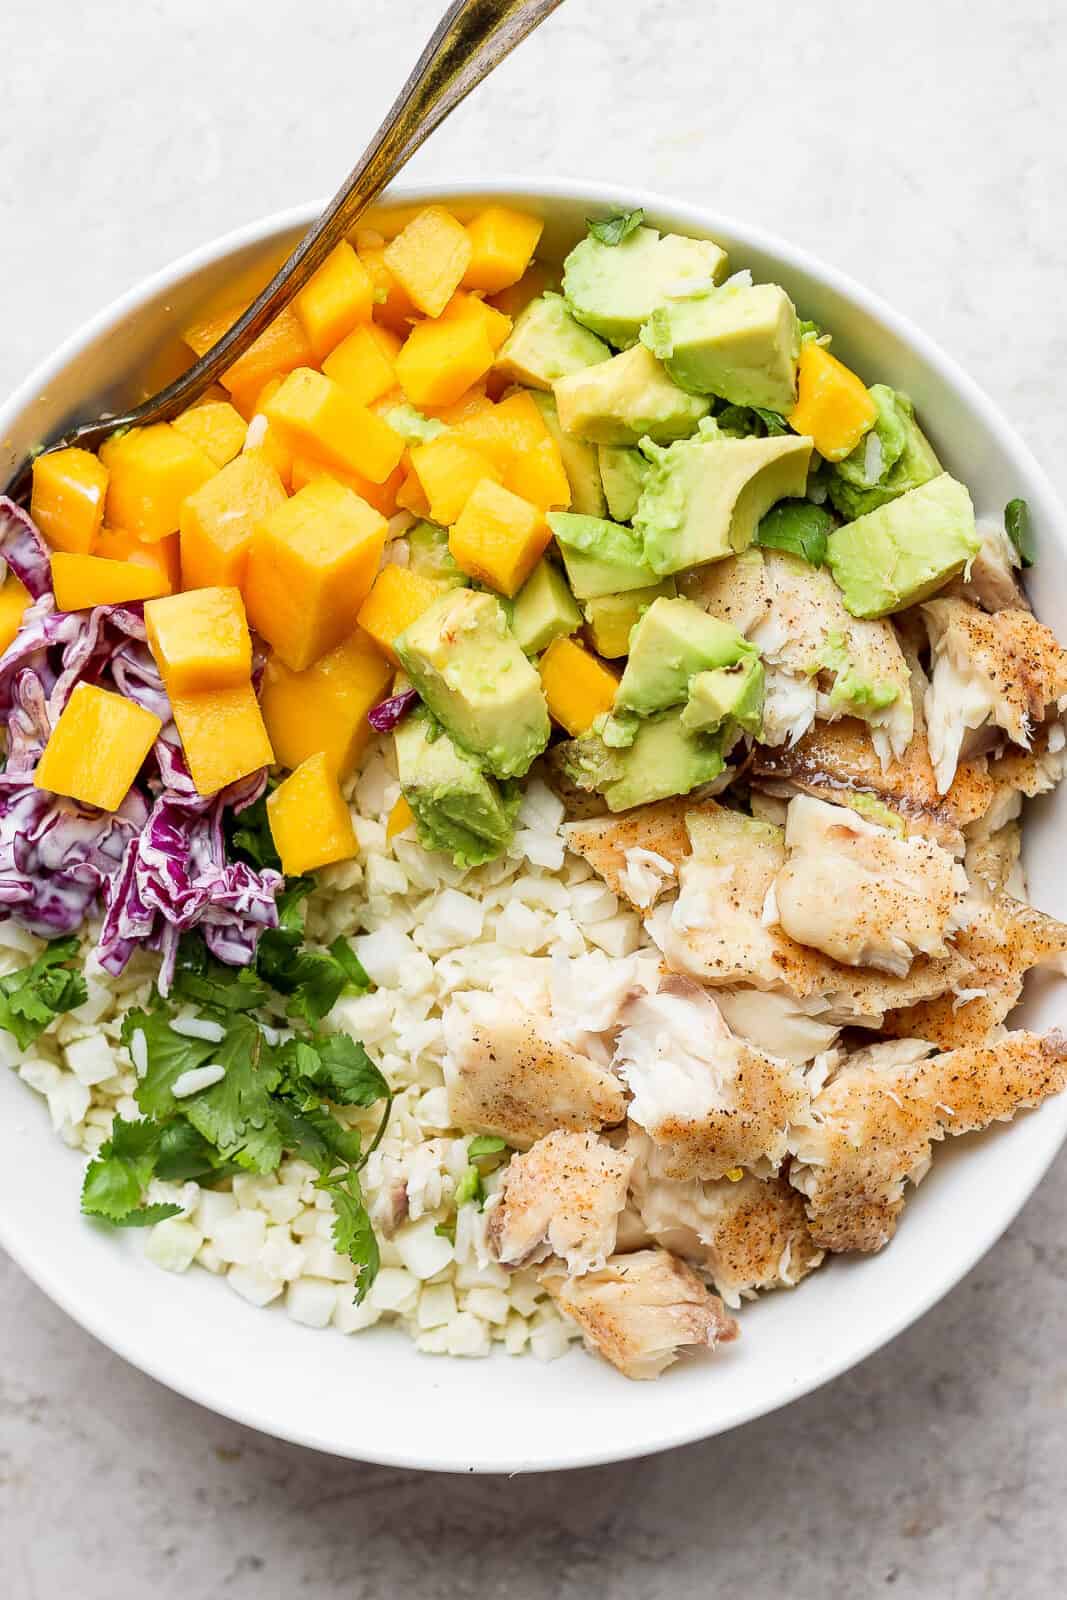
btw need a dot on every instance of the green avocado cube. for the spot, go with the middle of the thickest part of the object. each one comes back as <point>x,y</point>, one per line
<point>734,692</point>
<point>600,557</point>
<point>547,343</point>
<point>906,550</point>
<point>430,557</point>
<point>894,457</point>
<point>544,609</point>
<point>579,461</point>
<point>673,642</point>
<point>611,618</point>
<point>627,399</point>
<point>458,808</point>
<point>623,472</point>
<point>613,289</point>
<point>740,342</point>
<point>664,760</point>
<point>471,672</point>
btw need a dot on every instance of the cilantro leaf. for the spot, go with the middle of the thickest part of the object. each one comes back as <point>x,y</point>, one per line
<point>613,230</point>
<point>200,977</point>
<point>750,421</point>
<point>32,997</point>
<point>350,963</point>
<point>169,1054</point>
<point>470,1188</point>
<point>314,979</point>
<point>315,1136</point>
<point>118,1176</point>
<point>1020,530</point>
<point>353,1235</point>
<point>338,1067</point>
<point>798,527</point>
<point>249,837</point>
<point>237,1114</point>
<point>185,1154</point>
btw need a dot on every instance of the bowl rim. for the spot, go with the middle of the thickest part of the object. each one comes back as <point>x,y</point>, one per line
<point>91,1316</point>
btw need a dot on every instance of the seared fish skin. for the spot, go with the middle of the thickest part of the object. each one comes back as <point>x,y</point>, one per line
<point>563,1197</point>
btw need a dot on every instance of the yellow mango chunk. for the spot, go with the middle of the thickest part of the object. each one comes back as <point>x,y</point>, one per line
<point>152,471</point>
<point>363,369</point>
<point>162,555</point>
<point>14,598</point>
<point>310,569</point>
<point>534,281</point>
<point>578,686</point>
<point>200,640</point>
<point>392,305</point>
<point>513,434</point>
<point>67,502</point>
<point>382,496</point>
<point>264,440</point>
<point>472,308</point>
<point>441,360</point>
<point>397,598</point>
<point>400,819</point>
<point>324,708</point>
<point>216,427</point>
<point>833,405</point>
<point>218,521</point>
<point>412,497</point>
<point>280,348</point>
<point>428,259</point>
<point>314,416</point>
<point>335,298</point>
<point>79,582</point>
<point>448,470</point>
<point>498,538</point>
<point>222,735</point>
<point>502,243</point>
<point>97,747</point>
<point>471,403</point>
<point>309,821</point>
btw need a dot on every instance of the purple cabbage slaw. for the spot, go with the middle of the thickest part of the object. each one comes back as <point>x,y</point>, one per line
<point>159,862</point>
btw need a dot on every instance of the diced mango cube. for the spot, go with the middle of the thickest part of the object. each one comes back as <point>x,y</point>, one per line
<point>325,706</point>
<point>428,259</point>
<point>200,640</point>
<point>502,243</point>
<point>222,735</point>
<point>514,435</point>
<point>335,298</point>
<point>79,582</point>
<point>362,368</point>
<point>448,470</point>
<point>471,403</point>
<point>152,471</point>
<point>578,686</point>
<point>264,440</point>
<point>392,305</point>
<point>441,360</point>
<point>310,569</point>
<point>14,598</point>
<point>498,538</point>
<point>382,496</point>
<point>217,523</point>
<point>97,747</point>
<point>314,416</point>
<point>67,502</point>
<point>216,427</point>
<point>833,404</point>
<point>472,308</point>
<point>309,821</point>
<point>162,555</point>
<point>411,496</point>
<point>280,348</point>
<point>397,598</point>
<point>400,819</point>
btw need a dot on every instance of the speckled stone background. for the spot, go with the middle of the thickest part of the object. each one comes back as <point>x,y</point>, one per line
<point>921,146</point>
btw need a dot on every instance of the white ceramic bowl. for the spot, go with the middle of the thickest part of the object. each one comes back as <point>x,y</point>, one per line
<point>373,1397</point>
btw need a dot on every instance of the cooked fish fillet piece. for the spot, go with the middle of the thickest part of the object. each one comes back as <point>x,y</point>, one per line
<point>873,1124</point>
<point>708,1102</point>
<point>618,848</point>
<point>563,1197</point>
<point>778,1023</point>
<point>994,582</point>
<point>638,1311</point>
<point>820,660</point>
<point>745,1236</point>
<point>509,1074</point>
<point>588,993</point>
<point>862,894</point>
<point>1003,670</point>
<point>1004,940</point>
<point>714,931</point>
<point>1030,772</point>
<point>992,862</point>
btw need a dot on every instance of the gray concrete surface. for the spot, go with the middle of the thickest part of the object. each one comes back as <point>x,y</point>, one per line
<point>922,147</point>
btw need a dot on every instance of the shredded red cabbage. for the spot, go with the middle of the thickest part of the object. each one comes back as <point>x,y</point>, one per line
<point>385,716</point>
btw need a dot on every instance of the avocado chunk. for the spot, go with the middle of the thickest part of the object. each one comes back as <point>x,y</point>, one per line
<point>704,497</point>
<point>579,459</point>
<point>544,609</point>
<point>471,672</point>
<point>613,289</point>
<point>740,342</point>
<point>546,343</point>
<point>906,550</point>
<point>457,807</point>
<point>430,557</point>
<point>724,694</point>
<point>895,456</point>
<point>665,759</point>
<point>623,473</point>
<point>611,618</point>
<point>674,641</point>
<point>600,557</point>
<point>622,400</point>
